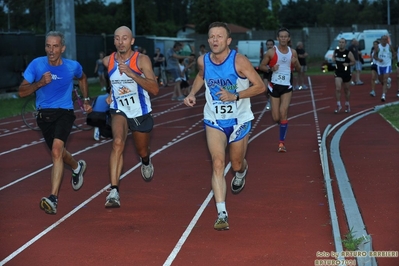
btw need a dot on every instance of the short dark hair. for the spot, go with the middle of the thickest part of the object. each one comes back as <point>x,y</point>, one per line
<point>177,44</point>
<point>283,29</point>
<point>271,40</point>
<point>220,24</point>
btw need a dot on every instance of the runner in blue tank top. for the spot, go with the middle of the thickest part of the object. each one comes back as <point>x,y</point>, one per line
<point>227,112</point>
<point>51,78</point>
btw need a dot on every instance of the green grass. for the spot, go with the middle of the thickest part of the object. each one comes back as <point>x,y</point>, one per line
<point>391,114</point>
<point>13,107</point>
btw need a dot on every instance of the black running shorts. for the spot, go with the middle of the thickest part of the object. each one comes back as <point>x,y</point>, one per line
<point>55,124</point>
<point>279,90</point>
<point>345,76</point>
<point>143,123</point>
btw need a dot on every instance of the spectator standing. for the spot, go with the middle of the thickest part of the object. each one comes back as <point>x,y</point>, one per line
<point>354,49</point>
<point>302,55</point>
<point>172,67</point>
<point>202,50</point>
<point>99,69</point>
<point>51,78</point>
<point>159,67</point>
<point>268,73</point>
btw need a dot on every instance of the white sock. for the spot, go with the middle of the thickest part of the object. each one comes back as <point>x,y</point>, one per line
<point>346,103</point>
<point>221,207</point>
<point>338,103</point>
<point>241,175</point>
<point>76,171</point>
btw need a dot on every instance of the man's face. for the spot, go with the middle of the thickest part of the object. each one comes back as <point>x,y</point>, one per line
<point>54,48</point>
<point>269,45</point>
<point>123,40</point>
<point>341,44</point>
<point>218,39</point>
<point>283,38</point>
<point>384,40</point>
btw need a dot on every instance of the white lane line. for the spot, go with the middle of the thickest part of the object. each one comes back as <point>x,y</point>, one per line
<point>80,206</point>
<point>196,217</point>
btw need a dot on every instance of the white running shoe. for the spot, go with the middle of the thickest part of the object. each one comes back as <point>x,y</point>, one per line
<point>268,105</point>
<point>238,183</point>
<point>372,93</point>
<point>113,200</point>
<point>389,83</point>
<point>147,171</point>
<point>77,179</point>
<point>96,134</point>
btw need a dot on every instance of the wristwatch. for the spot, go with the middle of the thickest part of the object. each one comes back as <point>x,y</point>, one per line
<point>237,96</point>
<point>86,99</point>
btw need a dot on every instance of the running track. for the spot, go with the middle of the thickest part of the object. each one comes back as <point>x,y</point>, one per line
<point>280,218</point>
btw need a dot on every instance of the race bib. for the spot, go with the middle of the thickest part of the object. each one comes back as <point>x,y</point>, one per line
<point>225,110</point>
<point>126,99</point>
<point>281,78</point>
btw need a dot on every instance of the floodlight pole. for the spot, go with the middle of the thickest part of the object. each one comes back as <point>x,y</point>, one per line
<point>388,12</point>
<point>133,19</point>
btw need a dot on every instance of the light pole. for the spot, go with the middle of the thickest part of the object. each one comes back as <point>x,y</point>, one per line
<point>388,12</point>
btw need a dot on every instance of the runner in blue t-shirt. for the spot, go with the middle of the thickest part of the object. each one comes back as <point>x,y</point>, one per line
<point>51,78</point>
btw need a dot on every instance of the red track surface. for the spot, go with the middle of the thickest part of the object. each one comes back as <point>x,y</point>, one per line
<point>280,218</point>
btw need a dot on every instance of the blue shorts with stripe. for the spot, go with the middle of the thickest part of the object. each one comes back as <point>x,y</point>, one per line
<point>233,133</point>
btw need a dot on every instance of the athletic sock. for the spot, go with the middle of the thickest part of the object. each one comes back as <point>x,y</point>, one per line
<point>221,207</point>
<point>283,130</point>
<point>346,103</point>
<point>145,161</point>
<point>241,175</point>
<point>338,103</point>
<point>76,171</point>
<point>116,187</point>
<point>53,198</point>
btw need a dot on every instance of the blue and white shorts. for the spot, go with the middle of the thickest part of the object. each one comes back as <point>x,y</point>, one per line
<point>233,133</point>
<point>381,70</point>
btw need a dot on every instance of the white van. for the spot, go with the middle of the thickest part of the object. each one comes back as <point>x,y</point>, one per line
<point>253,50</point>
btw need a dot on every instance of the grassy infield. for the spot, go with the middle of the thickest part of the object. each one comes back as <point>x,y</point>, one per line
<point>13,107</point>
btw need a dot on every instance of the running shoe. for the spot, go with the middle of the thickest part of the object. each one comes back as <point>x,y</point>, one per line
<point>281,148</point>
<point>383,98</point>
<point>96,134</point>
<point>397,95</point>
<point>268,105</point>
<point>221,223</point>
<point>113,200</point>
<point>359,82</point>
<point>339,107</point>
<point>77,179</point>
<point>389,83</point>
<point>147,171</point>
<point>347,109</point>
<point>304,87</point>
<point>352,83</point>
<point>49,205</point>
<point>237,183</point>
<point>372,93</point>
